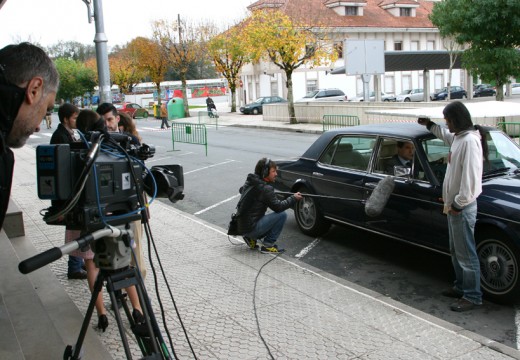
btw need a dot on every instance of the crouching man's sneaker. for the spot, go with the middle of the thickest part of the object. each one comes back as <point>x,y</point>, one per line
<point>251,243</point>
<point>271,250</point>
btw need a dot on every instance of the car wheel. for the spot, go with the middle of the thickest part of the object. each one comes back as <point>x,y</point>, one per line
<point>255,111</point>
<point>406,99</point>
<point>309,217</point>
<point>499,262</point>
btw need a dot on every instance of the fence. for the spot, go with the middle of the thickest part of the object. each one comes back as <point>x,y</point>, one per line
<point>510,128</point>
<point>336,121</point>
<point>208,118</point>
<point>190,134</point>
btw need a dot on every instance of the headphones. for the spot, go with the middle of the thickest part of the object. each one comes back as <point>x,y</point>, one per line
<point>265,170</point>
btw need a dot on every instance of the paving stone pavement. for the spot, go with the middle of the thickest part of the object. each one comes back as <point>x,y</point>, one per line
<point>230,297</point>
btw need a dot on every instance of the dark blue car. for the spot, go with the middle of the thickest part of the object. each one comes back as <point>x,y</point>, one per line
<point>349,162</point>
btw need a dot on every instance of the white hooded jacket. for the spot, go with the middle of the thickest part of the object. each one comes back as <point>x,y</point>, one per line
<point>463,181</point>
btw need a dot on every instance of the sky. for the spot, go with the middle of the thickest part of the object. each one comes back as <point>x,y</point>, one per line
<point>50,21</point>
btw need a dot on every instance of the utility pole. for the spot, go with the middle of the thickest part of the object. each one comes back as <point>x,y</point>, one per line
<point>100,39</point>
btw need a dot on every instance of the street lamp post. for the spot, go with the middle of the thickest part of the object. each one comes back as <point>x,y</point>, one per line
<point>100,40</point>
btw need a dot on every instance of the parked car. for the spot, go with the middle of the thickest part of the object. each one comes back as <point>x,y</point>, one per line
<point>482,90</point>
<point>372,97</point>
<point>324,95</point>
<point>456,92</point>
<point>345,164</point>
<point>410,95</point>
<point>134,110</point>
<point>255,107</point>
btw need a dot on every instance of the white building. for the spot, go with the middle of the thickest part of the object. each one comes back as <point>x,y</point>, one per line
<point>403,25</point>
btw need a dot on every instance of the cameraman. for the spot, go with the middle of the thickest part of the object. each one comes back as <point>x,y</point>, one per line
<point>28,85</point>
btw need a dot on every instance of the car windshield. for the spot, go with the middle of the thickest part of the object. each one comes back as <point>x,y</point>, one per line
<point>503,155</point>
<point>311,94</point>
<point>259,100</point>
<point>503,152</point>
<point>118,106</point>
<point>405,92</point>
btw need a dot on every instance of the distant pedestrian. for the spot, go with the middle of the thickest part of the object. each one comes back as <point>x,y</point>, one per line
<point>164,115</point>
<point>48,119</point>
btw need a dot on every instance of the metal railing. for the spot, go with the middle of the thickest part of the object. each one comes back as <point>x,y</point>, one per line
<point>190,134</point>
<point>337,121</point>
<point>510,128</point>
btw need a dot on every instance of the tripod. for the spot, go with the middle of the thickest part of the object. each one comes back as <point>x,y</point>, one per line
<point>112,257</point>
<point>147,334</point>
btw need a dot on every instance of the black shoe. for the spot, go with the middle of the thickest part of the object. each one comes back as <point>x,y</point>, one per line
<point>102,322</point>
<point>138,317</point>
<point>140,329</point>
<point>79,275</point>
<point>463,305</point>
<point>452,293</point>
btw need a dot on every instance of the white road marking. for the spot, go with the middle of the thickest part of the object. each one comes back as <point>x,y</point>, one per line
<point>217,204</point>
<point>308,248</point>
<point>207,167</point>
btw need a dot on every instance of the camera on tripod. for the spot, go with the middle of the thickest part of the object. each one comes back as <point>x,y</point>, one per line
<point>101,181</point>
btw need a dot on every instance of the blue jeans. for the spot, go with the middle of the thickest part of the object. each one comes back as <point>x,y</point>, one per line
<point>268,227</point>
<point>74,264</point>
<point>464,253</point>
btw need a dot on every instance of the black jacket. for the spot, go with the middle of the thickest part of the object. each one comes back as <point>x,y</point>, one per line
<point>6,179</point>
<point>61,135</point>
<point>254,205</point>
<point>11,98</point>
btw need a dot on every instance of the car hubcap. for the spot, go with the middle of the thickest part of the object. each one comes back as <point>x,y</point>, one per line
<point>498,267</point>
<point>306,212</point>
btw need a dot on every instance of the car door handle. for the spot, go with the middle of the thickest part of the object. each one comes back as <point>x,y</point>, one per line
<point>371,184</point>
<point>314,173</point>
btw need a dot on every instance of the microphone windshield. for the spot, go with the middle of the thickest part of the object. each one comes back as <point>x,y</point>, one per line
<point>376,202</point>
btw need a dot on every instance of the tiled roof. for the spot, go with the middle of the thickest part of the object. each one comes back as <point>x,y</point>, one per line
<point>315,12</point>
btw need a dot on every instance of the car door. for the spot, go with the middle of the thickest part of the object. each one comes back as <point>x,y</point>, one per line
<point>413,212</point>
<point>340,174</point>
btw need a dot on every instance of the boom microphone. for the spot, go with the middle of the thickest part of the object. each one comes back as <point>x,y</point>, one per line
<point>377,200</point>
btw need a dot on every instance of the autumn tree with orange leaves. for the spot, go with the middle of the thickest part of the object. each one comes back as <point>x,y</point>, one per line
<point>125,71</point>
<point>150,59</point>
<point>229,55</point>
<point>288,43</point>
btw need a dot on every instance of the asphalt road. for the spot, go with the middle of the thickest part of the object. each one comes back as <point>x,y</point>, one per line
<point>405,273</point>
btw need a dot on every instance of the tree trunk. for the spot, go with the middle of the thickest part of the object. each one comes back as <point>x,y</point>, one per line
<point>290,98</point>
<point>233,98</point>
<point>185,95</point>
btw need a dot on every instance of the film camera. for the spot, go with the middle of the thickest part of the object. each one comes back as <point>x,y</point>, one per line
<point>101,182</point>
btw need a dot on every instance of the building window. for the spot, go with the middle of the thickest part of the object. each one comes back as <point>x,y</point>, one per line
<point>351,10</point>
<point>338,48</point>
<point>430,45</point>
<point>414,45</point>
<point>405,12</point>
<point>312,85</point>
<point>274,87</point>
<point>398,45</point>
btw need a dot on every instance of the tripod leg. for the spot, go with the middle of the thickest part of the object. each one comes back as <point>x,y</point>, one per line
<point>110,290</point>
<point>84,327</point>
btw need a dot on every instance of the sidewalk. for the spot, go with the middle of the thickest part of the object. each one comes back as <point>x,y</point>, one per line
<point>220,287</point>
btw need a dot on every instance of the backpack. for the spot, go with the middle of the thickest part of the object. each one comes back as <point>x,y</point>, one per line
<point>245,202</point>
